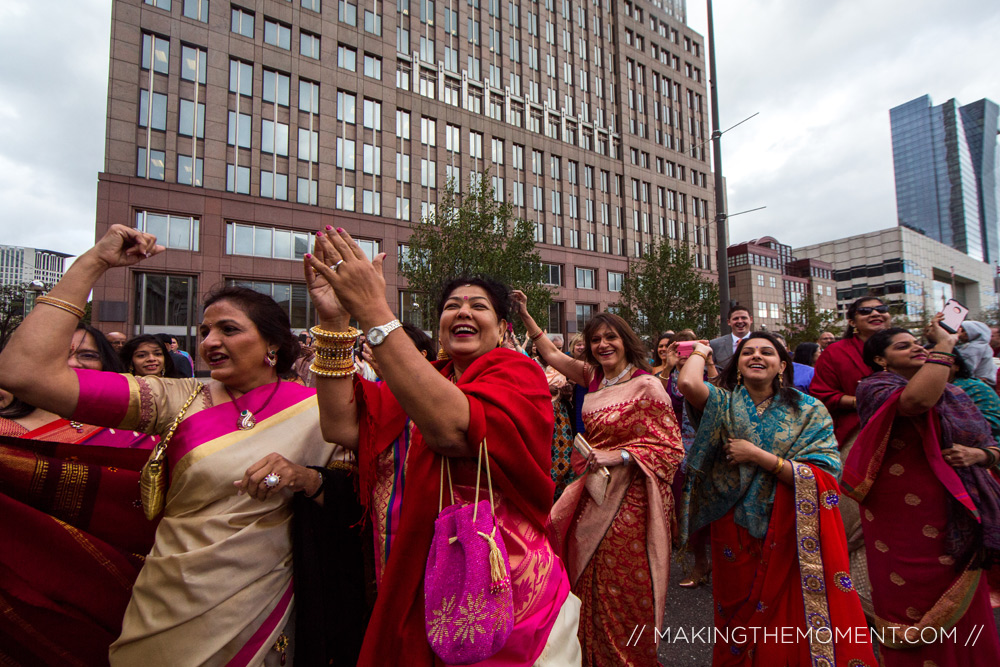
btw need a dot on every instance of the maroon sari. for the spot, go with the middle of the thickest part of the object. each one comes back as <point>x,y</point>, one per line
<point>74,539</point>
<point>922,519</point>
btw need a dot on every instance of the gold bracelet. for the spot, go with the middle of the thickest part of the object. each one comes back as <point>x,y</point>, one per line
<point>332,373</point>
<point>322,334</point>
<point>536,336</point>
<point>777,468</point>
<point>699,353</point>
<point>61,305</point>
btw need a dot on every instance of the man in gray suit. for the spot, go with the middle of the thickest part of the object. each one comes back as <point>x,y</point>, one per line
<point>741,322</point>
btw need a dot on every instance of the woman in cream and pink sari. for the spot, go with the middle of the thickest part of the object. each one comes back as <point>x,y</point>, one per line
<point>217,586</point>
<point>617,544</point>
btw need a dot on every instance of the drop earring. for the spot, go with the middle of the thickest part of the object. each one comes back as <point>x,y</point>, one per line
<point>270,359</point>
<point>739,377</point>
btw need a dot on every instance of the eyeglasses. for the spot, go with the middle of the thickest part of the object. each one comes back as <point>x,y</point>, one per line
<point>87,356</point>
<point>868,310</point>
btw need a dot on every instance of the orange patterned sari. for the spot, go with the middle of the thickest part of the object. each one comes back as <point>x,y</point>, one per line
<point>618,552</point>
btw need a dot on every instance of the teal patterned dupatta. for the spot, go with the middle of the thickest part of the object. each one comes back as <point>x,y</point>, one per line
<point>714,486</point>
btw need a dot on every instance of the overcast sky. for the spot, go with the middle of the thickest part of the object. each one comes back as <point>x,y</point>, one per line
<point>822,74</point>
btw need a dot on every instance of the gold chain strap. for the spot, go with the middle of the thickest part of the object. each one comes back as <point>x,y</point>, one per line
<point>161,446</point>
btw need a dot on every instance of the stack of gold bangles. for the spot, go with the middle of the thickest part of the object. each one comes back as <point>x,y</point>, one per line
<point>61,305</point>
<point>334,352</point>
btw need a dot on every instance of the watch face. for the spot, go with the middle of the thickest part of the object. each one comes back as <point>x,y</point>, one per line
<point>376,336</point>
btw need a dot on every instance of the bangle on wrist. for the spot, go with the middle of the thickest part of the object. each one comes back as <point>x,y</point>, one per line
<point>536,336</point>
<point>777,468</point>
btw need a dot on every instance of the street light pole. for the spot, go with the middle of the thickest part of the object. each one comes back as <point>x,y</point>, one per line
<point>721,222</point>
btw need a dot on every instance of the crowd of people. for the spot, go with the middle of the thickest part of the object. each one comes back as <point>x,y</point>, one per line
<point>849,482</point>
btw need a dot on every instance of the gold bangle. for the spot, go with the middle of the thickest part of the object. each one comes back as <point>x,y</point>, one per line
<point>322,334</point>
<point>61,305</point>
<point>699,353</point>
<point>332,373</point>
<point>777,468</point>
<point>536,336</point>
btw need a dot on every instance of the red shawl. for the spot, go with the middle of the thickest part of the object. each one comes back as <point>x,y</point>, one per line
<point>510,406</point>
<point>839,369</point>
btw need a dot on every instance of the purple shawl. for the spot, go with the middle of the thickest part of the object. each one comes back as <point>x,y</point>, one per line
<point>973,533</point>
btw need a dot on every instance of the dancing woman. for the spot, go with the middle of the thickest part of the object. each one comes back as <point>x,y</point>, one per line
<point>617,548</point>
<point>763,472</point>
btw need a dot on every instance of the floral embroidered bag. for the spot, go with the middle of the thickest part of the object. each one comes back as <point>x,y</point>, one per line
<point>468,603</point>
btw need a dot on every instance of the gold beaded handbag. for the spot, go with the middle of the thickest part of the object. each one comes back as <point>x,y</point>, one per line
<point>153,478</point>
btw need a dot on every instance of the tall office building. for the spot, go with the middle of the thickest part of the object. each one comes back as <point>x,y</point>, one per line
<point>945,160</point>
<point>237,129</point>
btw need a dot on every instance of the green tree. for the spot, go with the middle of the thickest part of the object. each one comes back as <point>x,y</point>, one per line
<point>805,321</point>
<point>663,290</point>
<point>11,310</point>
<point>474,234</point>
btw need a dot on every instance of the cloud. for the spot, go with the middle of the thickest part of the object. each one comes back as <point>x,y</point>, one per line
<point>823,77</point>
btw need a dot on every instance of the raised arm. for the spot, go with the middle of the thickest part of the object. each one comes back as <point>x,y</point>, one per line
<point>924,389</point>
<point>436,406</point>
<point>34,363</point>
<point>575,370</point>
<point>690,380</point>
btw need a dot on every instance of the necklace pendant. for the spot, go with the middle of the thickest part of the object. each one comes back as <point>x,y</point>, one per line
<point>246,421</point>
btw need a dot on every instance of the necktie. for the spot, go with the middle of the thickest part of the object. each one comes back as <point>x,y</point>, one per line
<point>736,344</point>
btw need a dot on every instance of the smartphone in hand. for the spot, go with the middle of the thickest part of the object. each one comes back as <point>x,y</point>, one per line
<point>685,348</point>
<point>954,315</point>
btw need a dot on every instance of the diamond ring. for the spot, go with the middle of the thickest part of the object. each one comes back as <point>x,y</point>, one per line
<point>334,267</point>
<point>272,480</point>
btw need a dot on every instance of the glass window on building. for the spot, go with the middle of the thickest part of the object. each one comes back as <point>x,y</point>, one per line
<point>414,309</point>
<point>178,232</point>
<point>167,303</point>
<point>762,309</point>
<point>615,280</point>
<point>553,274</point>
<point>557,317</point>
<point>584,278</point>
<point>196,9</point>
<point>266,242</point>
<point>292,297</point>
<point>584,313</point>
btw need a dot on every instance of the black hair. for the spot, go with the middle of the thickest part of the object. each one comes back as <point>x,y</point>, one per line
<point>270,319</point>
<point>421,340</point>
<point>785,390</point>
<point>805,353</point>
<point>852,310</point>
<point>498,293</point>
<point>962,367</point>
<point>736,309</point>
<point>875,346</point>
<point>132,344</point>
<point>635,351</point>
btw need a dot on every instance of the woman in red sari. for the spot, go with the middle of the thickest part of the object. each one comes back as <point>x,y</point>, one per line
<point>930,507</point>
<point>403,427</point>
<point>835,381</point>
<point>763,472</point>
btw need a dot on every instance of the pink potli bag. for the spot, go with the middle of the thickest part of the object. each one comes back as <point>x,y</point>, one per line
<point>468,603</point>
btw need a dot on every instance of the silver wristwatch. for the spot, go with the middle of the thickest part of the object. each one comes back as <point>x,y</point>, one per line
<point>377,334</point>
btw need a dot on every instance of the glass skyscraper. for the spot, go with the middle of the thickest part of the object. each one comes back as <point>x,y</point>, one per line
<point>945,163</point>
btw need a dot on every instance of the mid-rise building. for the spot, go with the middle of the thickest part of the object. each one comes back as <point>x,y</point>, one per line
<point>767,279</point>
<point>20,265</point>
<point>945,160</point>
<point>906,268</point>
<point>237,129</point>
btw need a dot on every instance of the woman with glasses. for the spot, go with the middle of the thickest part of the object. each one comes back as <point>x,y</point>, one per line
<point>835,382</point>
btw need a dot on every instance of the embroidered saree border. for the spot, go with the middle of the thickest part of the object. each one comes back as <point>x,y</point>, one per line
<point>8,612</point>
<point>817,608</point>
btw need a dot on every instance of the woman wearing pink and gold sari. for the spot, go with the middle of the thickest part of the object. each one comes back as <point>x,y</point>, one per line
<point>217,586</point>
<point>617,548</point>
